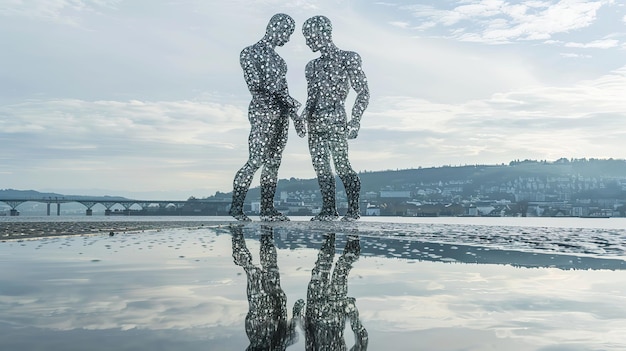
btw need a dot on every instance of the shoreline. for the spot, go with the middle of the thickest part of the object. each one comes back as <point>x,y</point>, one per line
<point>10,231</point>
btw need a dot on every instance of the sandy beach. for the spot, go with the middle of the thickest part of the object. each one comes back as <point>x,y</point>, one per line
<point>34,229</point>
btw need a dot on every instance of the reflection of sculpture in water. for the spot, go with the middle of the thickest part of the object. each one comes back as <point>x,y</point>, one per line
<point>269,111</point>
<point>329,78</point>
<point>327,303</point>
<point>267,325</point>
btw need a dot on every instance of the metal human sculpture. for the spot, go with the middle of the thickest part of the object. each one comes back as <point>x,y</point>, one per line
<point>269,111</point>
<point>267,325</point>
<point>329,78</point>
<point>328,307</point>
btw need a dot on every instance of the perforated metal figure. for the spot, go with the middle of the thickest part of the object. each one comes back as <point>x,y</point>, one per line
<point>329,78</point>
<point>267,324</point>
<point>269,111</point>
<point>328,307</point>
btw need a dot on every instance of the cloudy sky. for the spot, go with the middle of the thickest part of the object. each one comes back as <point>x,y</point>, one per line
<point>146,98</point>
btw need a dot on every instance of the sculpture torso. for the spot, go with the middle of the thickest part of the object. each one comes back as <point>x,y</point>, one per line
<point>329,79</point>
<point>265,74</point>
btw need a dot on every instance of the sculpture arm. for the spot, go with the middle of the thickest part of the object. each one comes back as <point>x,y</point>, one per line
<point>251,74</point>
<point>358,81</point>
<point>310,100</point>
<point>282,95</point>
<point>361,337</point>
<point>288,104</point>
<point>309,74</point>
<point>291,106</point>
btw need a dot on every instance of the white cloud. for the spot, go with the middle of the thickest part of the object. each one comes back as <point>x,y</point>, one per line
<point>60,11</point>
<point>537,103</point>
<point>166,142</point>
<point>586,119</point>
<point>596,44</point>
<point>574,55</point>
<point>495,21</point>
<point>168,122</point>
<point>400,24</point>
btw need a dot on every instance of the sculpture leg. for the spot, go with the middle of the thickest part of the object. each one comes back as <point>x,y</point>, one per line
<point>352,184</point>
<point>320,274</point>
<point>268,191</point>
<point>349,178</point>
<point>241,183</point>
<point>241,254</point>
<point>282,330</point>
<point>256,150</point>
<point>351,253</point>
<point>268,255</point>
<point>329,208</point>
<point>269,174</point>
<point>320,157</point>
<point>318,294</point>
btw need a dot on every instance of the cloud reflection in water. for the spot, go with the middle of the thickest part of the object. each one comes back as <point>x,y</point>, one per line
<point>181,285</point>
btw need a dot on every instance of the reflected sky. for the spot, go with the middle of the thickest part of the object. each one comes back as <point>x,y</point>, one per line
<point>181,289</point>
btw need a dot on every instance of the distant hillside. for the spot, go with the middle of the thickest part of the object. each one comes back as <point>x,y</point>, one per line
<point>33,194</point>
<point>25,194</point>
<point>496,174</point>
<point>473,176</point>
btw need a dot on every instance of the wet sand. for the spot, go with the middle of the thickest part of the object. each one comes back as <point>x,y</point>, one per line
<point>33,229</point>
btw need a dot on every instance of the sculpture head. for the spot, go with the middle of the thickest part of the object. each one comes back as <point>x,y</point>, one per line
<point>279,29</point>
<point>317,31</point>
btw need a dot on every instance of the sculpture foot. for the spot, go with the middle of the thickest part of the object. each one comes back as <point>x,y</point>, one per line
<point>243,259</point>
<point>325,217</point>
<point>240,216</point>
<point>273,216</point>
<point>298,308</point>
<point>352,251</point>
<point>350,217</point>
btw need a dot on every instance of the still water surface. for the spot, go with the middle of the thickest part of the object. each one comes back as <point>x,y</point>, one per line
<point>414,284</point>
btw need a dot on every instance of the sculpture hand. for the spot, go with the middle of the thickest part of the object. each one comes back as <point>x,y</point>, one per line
<point>300,127</point>
<point>353,129</point>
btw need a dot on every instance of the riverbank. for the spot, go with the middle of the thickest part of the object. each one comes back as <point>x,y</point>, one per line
<point>33,229</point>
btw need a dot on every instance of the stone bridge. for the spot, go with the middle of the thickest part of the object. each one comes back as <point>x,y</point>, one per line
<point>107,203</point>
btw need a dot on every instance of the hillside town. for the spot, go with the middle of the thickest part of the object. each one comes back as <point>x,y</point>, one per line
<point>527,188</point>
<point>532,197</point>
